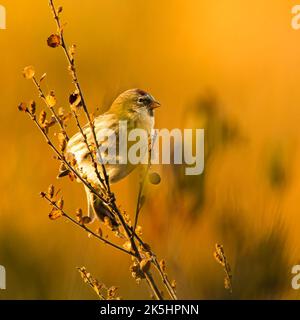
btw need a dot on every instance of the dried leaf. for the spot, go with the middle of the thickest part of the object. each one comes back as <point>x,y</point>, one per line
<point>32,107</point>
<point>60,203</point>
<point>22,107</point>
<point>162,264</point>
<point>139,230</point>
<point>51,191</point>
<point>127,245</point>
<point>28,72</point>
<point>79,215</point>
<point>42,117</point>
<point>72,50</point>
<point>55,214</point>
<point>54,41</point>
<point>173,284</point>
<point>75,100</point>
<point>51,99</point>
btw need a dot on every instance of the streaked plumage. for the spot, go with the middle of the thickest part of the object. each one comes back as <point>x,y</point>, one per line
<point>134,106</point>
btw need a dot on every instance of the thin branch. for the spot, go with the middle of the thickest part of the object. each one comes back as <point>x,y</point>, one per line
<point>143,180</point>
<point>72,69</point>
<point>43,97</point>
<point>155,262</point>
<point>90,281</point>
<point>62,158</point>
<point>165,279</point>
<point>84,227</point>
<point>139,198</point>
<point>84,136</point>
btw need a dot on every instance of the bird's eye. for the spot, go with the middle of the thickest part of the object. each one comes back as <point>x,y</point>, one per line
<point>141,100</point>
<point>144,101</point>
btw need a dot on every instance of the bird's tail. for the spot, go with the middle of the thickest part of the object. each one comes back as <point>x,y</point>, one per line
<point>96,208</point>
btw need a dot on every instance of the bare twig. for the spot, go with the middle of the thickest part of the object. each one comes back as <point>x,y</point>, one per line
<point>221,258</point>
<point>62,158</point>
<point>83,226</point>
<point>43,97</point>
<point>72,69</point>
<point>87,278</point>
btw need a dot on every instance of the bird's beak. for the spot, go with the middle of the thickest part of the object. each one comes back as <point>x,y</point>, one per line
<point>155,104</point>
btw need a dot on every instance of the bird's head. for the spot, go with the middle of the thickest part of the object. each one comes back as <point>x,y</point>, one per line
<point>135,101</point>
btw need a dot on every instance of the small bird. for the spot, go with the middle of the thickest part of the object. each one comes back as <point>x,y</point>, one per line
<point>136,107</point>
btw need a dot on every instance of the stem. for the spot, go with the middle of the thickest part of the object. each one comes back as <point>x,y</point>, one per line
<point>155,262</point>
<point>43,97</point>
<point>62,158</point>
<point>78,87</point>
<point>82,226</point>
<point>138,205</point>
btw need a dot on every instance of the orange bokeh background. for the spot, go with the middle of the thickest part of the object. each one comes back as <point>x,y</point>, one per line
<point>230,67</point>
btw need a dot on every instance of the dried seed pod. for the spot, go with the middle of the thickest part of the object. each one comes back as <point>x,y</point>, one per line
<point>42,117</point>
<point>62,142</point>
<point>28,72</point>
<point>219,259</point>
<point>63,145</point>
<point>55,214</point>
<point>136,272</point>
<point>227,283</point>
<point>60,203</point>
<point>54,41</point>
<point>32,107</point>
<point>50,123</point>
<point>73,162</point>
<point>51,191</point>
<point>219,248</point>
<point>72,51</point>
<point>79,215</point>
<point>162,264</point>
<point>154,178</point>
<point>111,293</point>
<point>60,112</point>
<point>173,284</point>
<point>139,231</point>
<point>22,107</point>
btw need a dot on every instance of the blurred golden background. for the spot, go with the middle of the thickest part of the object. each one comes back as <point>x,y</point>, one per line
<point>229,66</point>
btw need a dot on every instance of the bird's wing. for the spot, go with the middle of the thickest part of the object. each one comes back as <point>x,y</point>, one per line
<point>76,145</point>
<point>107,134</point>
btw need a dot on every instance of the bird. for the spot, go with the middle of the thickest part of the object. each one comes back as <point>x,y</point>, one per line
<point>137,108</point>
